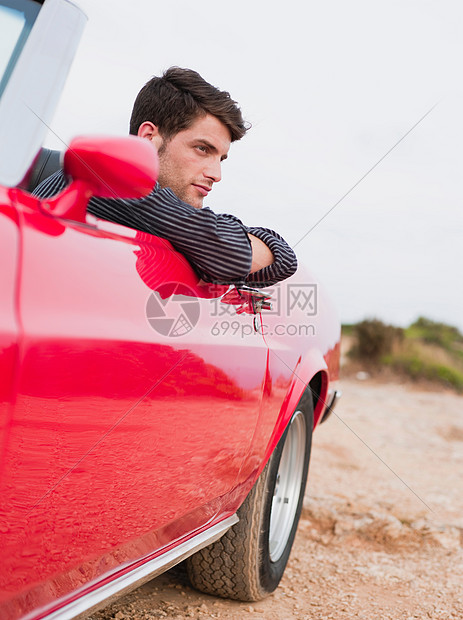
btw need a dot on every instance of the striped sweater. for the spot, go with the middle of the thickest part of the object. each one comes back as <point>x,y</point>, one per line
<point>216,245</point>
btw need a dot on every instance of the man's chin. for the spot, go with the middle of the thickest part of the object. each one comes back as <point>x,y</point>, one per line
<point>190,198</point>
<point>194,201</point>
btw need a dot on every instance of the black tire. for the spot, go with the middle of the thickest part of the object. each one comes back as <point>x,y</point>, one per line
<point>248,562</point>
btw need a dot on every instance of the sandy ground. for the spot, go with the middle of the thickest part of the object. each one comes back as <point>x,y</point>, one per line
<point>381,535</point>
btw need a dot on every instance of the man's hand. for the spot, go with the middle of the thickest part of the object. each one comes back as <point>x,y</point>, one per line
<point>261,254</point>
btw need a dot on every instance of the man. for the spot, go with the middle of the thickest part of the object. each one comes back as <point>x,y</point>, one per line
<point>192,124</point>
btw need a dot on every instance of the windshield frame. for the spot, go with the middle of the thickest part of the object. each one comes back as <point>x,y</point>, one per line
<point>30,9</point>
<point>31,94</point>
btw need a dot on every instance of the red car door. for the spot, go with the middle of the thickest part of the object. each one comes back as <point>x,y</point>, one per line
<point>125,437</point>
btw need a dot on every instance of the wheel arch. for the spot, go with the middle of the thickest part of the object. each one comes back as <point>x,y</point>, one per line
<point>310,375</point>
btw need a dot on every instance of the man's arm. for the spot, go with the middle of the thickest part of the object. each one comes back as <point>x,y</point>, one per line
<point>262,256</point>
<point>283,265</point>
<point>218,246</point>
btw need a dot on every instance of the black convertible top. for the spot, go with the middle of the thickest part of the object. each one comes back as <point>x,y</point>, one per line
<point>46,164</point>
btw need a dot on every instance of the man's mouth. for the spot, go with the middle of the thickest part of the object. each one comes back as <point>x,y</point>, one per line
<point>202,189</point>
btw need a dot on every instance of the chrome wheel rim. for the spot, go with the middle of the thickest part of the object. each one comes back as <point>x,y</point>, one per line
<point>287,487</point>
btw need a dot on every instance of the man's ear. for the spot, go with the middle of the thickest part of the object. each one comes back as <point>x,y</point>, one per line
<point>150,131</point>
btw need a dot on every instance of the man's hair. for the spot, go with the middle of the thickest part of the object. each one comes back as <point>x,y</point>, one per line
<point>175,100</point>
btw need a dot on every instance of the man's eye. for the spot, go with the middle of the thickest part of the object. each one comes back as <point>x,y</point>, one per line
<point>202,148</point>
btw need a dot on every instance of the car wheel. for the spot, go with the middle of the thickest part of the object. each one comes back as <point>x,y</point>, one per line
<point>248,562</point>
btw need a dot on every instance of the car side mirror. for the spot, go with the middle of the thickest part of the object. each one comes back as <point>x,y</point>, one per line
<point>106,167</point>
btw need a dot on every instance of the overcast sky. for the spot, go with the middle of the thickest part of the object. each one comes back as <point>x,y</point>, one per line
<point>329,87</point>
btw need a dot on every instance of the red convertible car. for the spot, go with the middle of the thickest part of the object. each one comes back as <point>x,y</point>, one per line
<point>146,418</point>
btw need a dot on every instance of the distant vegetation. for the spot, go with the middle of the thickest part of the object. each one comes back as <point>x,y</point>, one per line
<point>424,350</point>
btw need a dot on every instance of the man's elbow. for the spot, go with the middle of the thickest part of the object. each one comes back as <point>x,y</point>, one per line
<point>284,266</point>
<point>262,255</point>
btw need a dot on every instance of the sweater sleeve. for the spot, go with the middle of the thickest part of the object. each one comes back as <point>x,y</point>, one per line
<point>51,185</point>
<point>285,261</point>
<point>216,245</point>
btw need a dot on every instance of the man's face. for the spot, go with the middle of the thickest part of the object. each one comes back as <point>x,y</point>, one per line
<point>190,163</point>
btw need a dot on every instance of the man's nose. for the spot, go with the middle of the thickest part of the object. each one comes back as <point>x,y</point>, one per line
<point>214,170</point>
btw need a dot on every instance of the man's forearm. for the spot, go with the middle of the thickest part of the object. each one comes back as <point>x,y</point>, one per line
<point>262,256</point>
<point>282,265</point>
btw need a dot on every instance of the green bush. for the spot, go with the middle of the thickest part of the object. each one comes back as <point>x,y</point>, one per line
<point>347,329</point>
<point>432,332</point>
<point>374,339</point>
<point>418,368</point>
<point>425,350</point>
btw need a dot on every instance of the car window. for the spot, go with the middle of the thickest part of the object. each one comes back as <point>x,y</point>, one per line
<point>16,20</point>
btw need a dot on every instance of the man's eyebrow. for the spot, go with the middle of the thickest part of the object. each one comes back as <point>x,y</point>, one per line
<point>211,147</point>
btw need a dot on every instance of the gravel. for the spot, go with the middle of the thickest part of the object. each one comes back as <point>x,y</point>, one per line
<point>381,534</point>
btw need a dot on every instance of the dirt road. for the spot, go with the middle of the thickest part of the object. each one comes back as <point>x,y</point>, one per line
<point>381,535</point>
